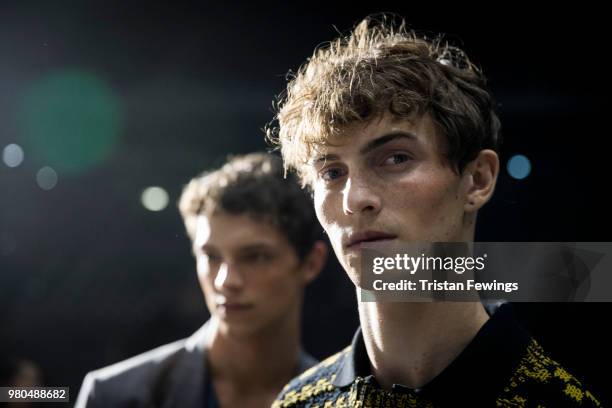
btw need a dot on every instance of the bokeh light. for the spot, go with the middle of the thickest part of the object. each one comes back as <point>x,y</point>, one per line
<point>46,178</point>
<point>519,166</point>
<point>12,155</point>
<point>154,198</point>
<point>71,120</point>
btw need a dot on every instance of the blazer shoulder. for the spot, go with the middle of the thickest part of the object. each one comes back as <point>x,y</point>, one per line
<point>129,380</point>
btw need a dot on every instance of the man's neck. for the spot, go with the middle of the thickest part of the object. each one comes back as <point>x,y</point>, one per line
<point>255,362</point>
<point>411,343</point>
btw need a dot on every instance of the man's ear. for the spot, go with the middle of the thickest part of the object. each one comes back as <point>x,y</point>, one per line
<point>481,176</point>
<point>314,261</point>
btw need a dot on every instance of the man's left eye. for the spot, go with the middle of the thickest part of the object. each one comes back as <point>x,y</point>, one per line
<point>397,158</point>
<point>258,257</point>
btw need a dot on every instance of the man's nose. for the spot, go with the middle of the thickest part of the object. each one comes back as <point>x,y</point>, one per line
<point>228,277</point>
<point>359,196</point>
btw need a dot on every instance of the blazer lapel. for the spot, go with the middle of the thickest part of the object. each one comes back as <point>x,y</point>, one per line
<point>186,385</point>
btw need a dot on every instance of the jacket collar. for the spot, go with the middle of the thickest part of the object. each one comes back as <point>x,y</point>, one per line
<point>188,376</point>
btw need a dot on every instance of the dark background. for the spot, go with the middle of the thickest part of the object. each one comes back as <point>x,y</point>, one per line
<point>88,276</point>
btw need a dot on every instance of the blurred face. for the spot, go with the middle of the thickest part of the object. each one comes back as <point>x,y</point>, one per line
<point>387,180</point>
<point>250,274</point>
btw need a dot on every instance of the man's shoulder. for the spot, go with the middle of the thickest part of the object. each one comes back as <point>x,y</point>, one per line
<point>314,383</point>
<point>539,378</point>
<point>132,379</point>
<point>139,366</point>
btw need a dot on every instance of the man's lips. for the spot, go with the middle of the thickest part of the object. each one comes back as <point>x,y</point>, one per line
<point>355,240</point>
<point>234,306</point>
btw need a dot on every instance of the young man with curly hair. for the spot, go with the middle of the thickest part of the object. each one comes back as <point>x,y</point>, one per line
<point>256,243</point>
<point>397,137</point>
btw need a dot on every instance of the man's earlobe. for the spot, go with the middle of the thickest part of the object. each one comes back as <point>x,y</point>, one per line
<point>315,261</point>
<point>483,172</point>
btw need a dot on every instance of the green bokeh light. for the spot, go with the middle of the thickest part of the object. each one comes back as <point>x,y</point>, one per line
<point>71,120</point>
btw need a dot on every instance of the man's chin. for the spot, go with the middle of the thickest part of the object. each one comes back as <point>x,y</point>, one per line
<point>237,329</point>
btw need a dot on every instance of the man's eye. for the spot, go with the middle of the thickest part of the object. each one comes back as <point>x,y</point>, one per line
<point>257,257</point>
<point>212,258</point>
<point>331,173</point>
<point>397,158</point>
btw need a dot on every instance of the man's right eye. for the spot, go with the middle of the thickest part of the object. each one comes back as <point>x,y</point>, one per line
<point>332,173</point>
<point>212,258</point>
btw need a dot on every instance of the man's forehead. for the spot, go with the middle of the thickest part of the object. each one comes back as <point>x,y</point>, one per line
<point>243,230</point>
<point>357,137</point>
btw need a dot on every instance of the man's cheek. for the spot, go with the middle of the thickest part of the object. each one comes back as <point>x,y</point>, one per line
<point>326,213</point>
<point>203,271</point>
<point>319,206</point>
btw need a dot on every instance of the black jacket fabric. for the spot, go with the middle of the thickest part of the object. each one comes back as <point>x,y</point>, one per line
<point>173,375</point>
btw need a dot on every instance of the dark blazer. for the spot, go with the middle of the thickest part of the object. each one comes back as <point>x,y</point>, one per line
<point>173,375</point>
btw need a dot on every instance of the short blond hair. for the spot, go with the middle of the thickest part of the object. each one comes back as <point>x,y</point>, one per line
<point>382,67</point>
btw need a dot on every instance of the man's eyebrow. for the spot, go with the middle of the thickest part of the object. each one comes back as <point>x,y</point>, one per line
<point>324,158</point>
<point>386,138</point>
<point>258,246</point>
<point>255,247</point>
<point>205,247</point>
